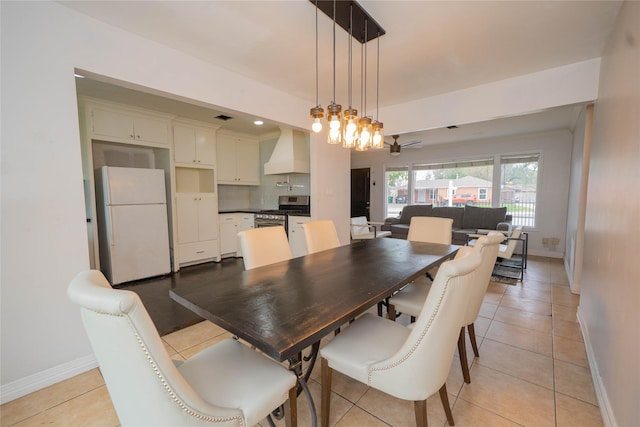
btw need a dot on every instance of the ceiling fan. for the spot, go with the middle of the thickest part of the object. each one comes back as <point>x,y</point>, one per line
<point>394,149</point>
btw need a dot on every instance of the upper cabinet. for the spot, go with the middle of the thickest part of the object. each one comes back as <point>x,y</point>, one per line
<point>194,146</point>
<point>128,126</point>
<point>238,159</point>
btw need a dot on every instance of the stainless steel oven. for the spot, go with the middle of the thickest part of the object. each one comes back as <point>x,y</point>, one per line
<point>287,205</point>
<point>271,219</point>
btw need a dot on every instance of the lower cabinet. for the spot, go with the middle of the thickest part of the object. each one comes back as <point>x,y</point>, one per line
<point>197,228</point>
<point>230,225</point>
<point>228,234</point>
<point>296,235</point>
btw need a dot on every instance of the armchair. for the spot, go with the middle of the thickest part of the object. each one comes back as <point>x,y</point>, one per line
<point>363,229</point>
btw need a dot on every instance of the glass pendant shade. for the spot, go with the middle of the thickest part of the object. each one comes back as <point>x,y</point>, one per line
<point>365,134</point>
<point>350,128</point>
<point>316,114</point>
<point>333,117</point>
<point>378,135</point>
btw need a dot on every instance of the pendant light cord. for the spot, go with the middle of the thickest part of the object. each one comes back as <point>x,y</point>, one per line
<point>378,78</point>
<point>334,52</point>
<point>317,98</point>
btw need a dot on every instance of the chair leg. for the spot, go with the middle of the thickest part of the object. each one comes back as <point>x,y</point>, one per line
<point>420,407</point>
<point>462,352</point>
<point>444,398</point>
<point>291,408</point>
<point>391,311</point>
<point>472,336</point>
<point>325,396</point>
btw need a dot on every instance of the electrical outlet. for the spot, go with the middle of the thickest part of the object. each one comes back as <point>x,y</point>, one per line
<point>545,241</point>
<point>555,241</point>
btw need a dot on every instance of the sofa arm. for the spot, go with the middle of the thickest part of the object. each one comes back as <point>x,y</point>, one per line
<point>504,226</point>
<point>388,222</point>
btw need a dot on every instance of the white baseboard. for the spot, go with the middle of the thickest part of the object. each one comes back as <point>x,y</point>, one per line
<point>40,380</point>
<point>606,411</point>
<point>546,254</point>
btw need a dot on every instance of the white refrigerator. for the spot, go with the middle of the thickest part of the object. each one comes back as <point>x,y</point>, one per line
<point>133,230</point>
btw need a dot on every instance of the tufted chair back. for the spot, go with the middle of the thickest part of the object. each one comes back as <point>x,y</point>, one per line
<point>144,383</point>
<point>263,246</point>
<point>421,365</point>
<point>487,246</point>
<point>320,235</point>
<point>430,229</point>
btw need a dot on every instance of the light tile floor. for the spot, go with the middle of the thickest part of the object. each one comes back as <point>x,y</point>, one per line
<point>532,371</point>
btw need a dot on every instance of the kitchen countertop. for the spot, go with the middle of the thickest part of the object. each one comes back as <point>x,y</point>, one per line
<point>253,211</point>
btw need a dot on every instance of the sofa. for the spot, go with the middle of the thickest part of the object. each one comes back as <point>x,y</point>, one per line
<point>467,219</point>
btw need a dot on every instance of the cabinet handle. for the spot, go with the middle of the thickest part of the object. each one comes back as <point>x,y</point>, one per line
<point>137,136</point>
<point>200,252</point>
<point>131,136</point>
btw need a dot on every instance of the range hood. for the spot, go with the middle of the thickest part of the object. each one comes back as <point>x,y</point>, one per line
<point>290,155</point>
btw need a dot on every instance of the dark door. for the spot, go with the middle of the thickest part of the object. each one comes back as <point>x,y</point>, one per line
<point>360,192</point>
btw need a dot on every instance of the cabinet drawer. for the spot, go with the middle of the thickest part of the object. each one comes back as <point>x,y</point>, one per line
<point>197,251</point>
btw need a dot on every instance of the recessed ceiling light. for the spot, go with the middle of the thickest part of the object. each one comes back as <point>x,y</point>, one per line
<point>258,122</point>
<point>80,76</point>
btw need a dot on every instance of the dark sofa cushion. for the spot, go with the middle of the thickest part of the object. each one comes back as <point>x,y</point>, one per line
<point>483,218</point>
<point>410,211</point>
<point>449,212</point>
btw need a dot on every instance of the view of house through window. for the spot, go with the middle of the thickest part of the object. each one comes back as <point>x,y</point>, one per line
<point>453,184</point>
<point>397,179</point>
<point>468,183</point>
<point>519,183</point>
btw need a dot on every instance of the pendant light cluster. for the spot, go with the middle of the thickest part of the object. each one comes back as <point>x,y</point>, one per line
<point>361,133</point>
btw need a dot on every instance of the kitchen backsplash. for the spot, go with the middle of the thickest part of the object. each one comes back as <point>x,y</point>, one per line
<point>264,196</point>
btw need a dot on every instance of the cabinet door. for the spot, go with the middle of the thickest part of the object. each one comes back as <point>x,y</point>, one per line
<point>226,151</point>
<point>207,214</point>
<point>187,210</point>
<point>184,144</point>
<point>248,162</point>
<point>297,242</point>
<point>112,124</point>
<point>205,147</point>
<point>150,129</point>
<point>228,234</point>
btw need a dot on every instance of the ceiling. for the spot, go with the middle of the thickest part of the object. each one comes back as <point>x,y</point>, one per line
<point>430,48</point>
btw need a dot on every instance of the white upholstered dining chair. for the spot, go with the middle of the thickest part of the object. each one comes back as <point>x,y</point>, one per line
<point>362,229</point>
<point>263,246</point>
<point>407,363</point>
<point>320,235</point>
<point>414,298</point>
<point>426,229</point>
<point>226,384</point>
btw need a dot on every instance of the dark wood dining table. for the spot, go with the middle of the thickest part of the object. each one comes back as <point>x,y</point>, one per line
<point>285,307</point>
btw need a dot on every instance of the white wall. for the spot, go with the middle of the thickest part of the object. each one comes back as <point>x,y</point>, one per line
<point>574,239</point>
<point>44,237</point>
<point>609,311</point>
<point>555,162</point>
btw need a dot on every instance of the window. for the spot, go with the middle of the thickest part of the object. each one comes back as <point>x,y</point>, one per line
<point>518,187</point>
<point>469,182</point>
<point>397,184</point>
<point>454,183</point>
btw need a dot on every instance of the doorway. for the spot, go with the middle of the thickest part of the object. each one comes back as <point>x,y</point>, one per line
<point>360,192</point>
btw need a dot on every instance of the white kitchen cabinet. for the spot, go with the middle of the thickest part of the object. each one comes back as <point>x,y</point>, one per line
<point>238,160</point>
<point>128,126</point>
<point>246,222</point>
<point>229,225</point>
<point>297,242</point>
<point>194,145</point>
<point>197,227</point>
